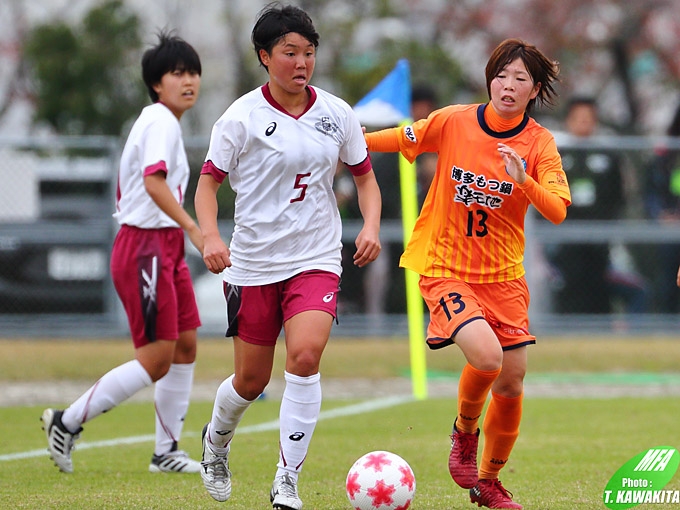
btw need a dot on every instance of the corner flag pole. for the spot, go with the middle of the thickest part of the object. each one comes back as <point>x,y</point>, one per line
<point>389,104</point>
<point>414,301</point>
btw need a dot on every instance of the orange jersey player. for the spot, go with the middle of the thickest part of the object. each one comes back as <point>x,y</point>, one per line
<point>494,160</point>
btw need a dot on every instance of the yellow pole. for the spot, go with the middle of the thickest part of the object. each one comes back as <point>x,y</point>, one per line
<point>414,301</point>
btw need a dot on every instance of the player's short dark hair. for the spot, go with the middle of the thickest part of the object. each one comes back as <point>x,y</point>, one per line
<point>275,21</point>
<point>172,53</point>
<point>541,69</point>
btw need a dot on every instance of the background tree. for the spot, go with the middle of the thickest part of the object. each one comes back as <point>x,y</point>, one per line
<point>87,78</point>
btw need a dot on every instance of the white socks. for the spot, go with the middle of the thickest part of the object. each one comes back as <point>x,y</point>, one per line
<point>113,388</point>
<point>171,400</point>
<point>300,407</point>
<point>227,413</point>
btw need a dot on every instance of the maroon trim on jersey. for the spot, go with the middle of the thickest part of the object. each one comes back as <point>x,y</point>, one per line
<point>270,99</point>
<point>362,168</point>
<point>209,168</point>
<point>156,167</point>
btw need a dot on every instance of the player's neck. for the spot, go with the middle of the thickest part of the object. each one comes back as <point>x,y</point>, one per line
<point>294,104</point>
<point>498,123</point>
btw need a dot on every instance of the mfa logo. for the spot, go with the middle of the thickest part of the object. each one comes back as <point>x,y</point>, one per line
<point>642,479</point>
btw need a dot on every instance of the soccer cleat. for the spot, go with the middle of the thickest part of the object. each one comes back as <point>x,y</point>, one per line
<point>175,461</point>
<point>60,441</point>
<point>463,458</point>
<point>284,495</point>
<point>492,494</point>
<point>215,470</point>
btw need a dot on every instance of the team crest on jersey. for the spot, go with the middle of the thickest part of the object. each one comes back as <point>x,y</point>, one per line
<point>328,128</point>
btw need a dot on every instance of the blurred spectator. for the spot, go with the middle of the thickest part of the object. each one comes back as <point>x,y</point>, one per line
<point>662,202</point>
<point>423,102</point>
<point>382,285</point>
<point>587,280</point>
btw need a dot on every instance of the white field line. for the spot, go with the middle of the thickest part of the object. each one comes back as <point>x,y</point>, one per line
<point>360,408</point>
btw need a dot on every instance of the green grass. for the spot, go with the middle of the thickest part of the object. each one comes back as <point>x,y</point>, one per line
<point>567,450</point>
<point>566,453</point>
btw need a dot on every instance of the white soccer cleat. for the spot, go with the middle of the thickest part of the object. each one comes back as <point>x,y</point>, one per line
<point>175,461</point>
<point>284,495</point>
<point>215,470</point>
<point>60,441</point>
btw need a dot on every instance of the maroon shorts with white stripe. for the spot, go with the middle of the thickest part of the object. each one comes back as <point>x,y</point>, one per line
<point>153,282</point>
<point>256,314</point>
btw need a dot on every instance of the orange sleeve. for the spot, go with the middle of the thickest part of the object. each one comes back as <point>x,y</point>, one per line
<point>385,140</point>
<point>550,205</point>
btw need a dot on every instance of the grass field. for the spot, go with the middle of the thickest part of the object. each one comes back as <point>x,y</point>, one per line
<point>567,451</point>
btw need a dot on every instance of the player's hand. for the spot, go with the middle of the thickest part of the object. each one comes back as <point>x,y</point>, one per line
<point>216,254</point>
<point>514,165</point>
<point>368,246</point>
<point>678,278</point>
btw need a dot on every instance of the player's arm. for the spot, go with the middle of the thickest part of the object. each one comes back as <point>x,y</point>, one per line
<point>370,205</point>
<point>551,206</point>
<point>385,140</point>
<point>216,254</point>
<point>157,188</point>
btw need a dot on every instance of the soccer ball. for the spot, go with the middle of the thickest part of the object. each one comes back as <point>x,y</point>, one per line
<point>380,481</point>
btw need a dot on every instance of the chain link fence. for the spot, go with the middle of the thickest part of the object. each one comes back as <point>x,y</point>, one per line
<point>611,269</point>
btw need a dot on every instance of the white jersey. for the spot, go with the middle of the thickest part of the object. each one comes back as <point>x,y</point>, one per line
<point>154,144</point>
<point>282,169</point>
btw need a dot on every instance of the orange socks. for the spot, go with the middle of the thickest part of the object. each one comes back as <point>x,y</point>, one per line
<point>473,388</point>
<point>501,428</point>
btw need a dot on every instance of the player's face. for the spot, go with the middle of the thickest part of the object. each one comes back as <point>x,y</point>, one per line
<point>290,64</point>
<point>178,90</point>
<point>512,89</point>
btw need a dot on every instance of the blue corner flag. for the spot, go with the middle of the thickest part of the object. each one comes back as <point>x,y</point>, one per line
<point>389,103</point>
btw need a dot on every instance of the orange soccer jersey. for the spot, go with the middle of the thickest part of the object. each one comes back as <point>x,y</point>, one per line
<point>471,225</point>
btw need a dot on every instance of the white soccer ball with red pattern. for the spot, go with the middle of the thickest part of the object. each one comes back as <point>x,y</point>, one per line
<point>380,481</point>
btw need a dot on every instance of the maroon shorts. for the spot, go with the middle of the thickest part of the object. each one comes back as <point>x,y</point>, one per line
<point>256,313</point>
<point>154,284</point>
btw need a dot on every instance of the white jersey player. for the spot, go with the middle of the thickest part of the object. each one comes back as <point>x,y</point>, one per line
<point>154,144</point>
<point>281,168</point>
<point>280,146</point>
<point>148,267</point>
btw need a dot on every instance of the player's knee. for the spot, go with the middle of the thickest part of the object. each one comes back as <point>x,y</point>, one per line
<point>250,388</point>
<point>304,363</point>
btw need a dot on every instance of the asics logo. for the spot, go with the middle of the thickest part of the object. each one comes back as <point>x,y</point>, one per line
<point>222,432</point>
<point>270,129</point>
<point>296,436</point>
<point>328,297</point>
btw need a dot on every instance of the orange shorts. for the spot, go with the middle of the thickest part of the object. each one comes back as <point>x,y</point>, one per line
<point>454,303</point>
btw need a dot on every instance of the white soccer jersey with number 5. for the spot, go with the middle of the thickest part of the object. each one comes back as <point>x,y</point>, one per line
<point>282,169</point>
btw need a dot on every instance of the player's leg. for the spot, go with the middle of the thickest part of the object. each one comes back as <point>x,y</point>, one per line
<point>171,402</point>
<point>483,354</point>
<point>254,321</point>
<point>456,315</point>
<point>504,413</point>
<point>130,269</point>
<point>309,306</point>
<point>306,337</point>
<point>173,390</point>
<point>501,429</point>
